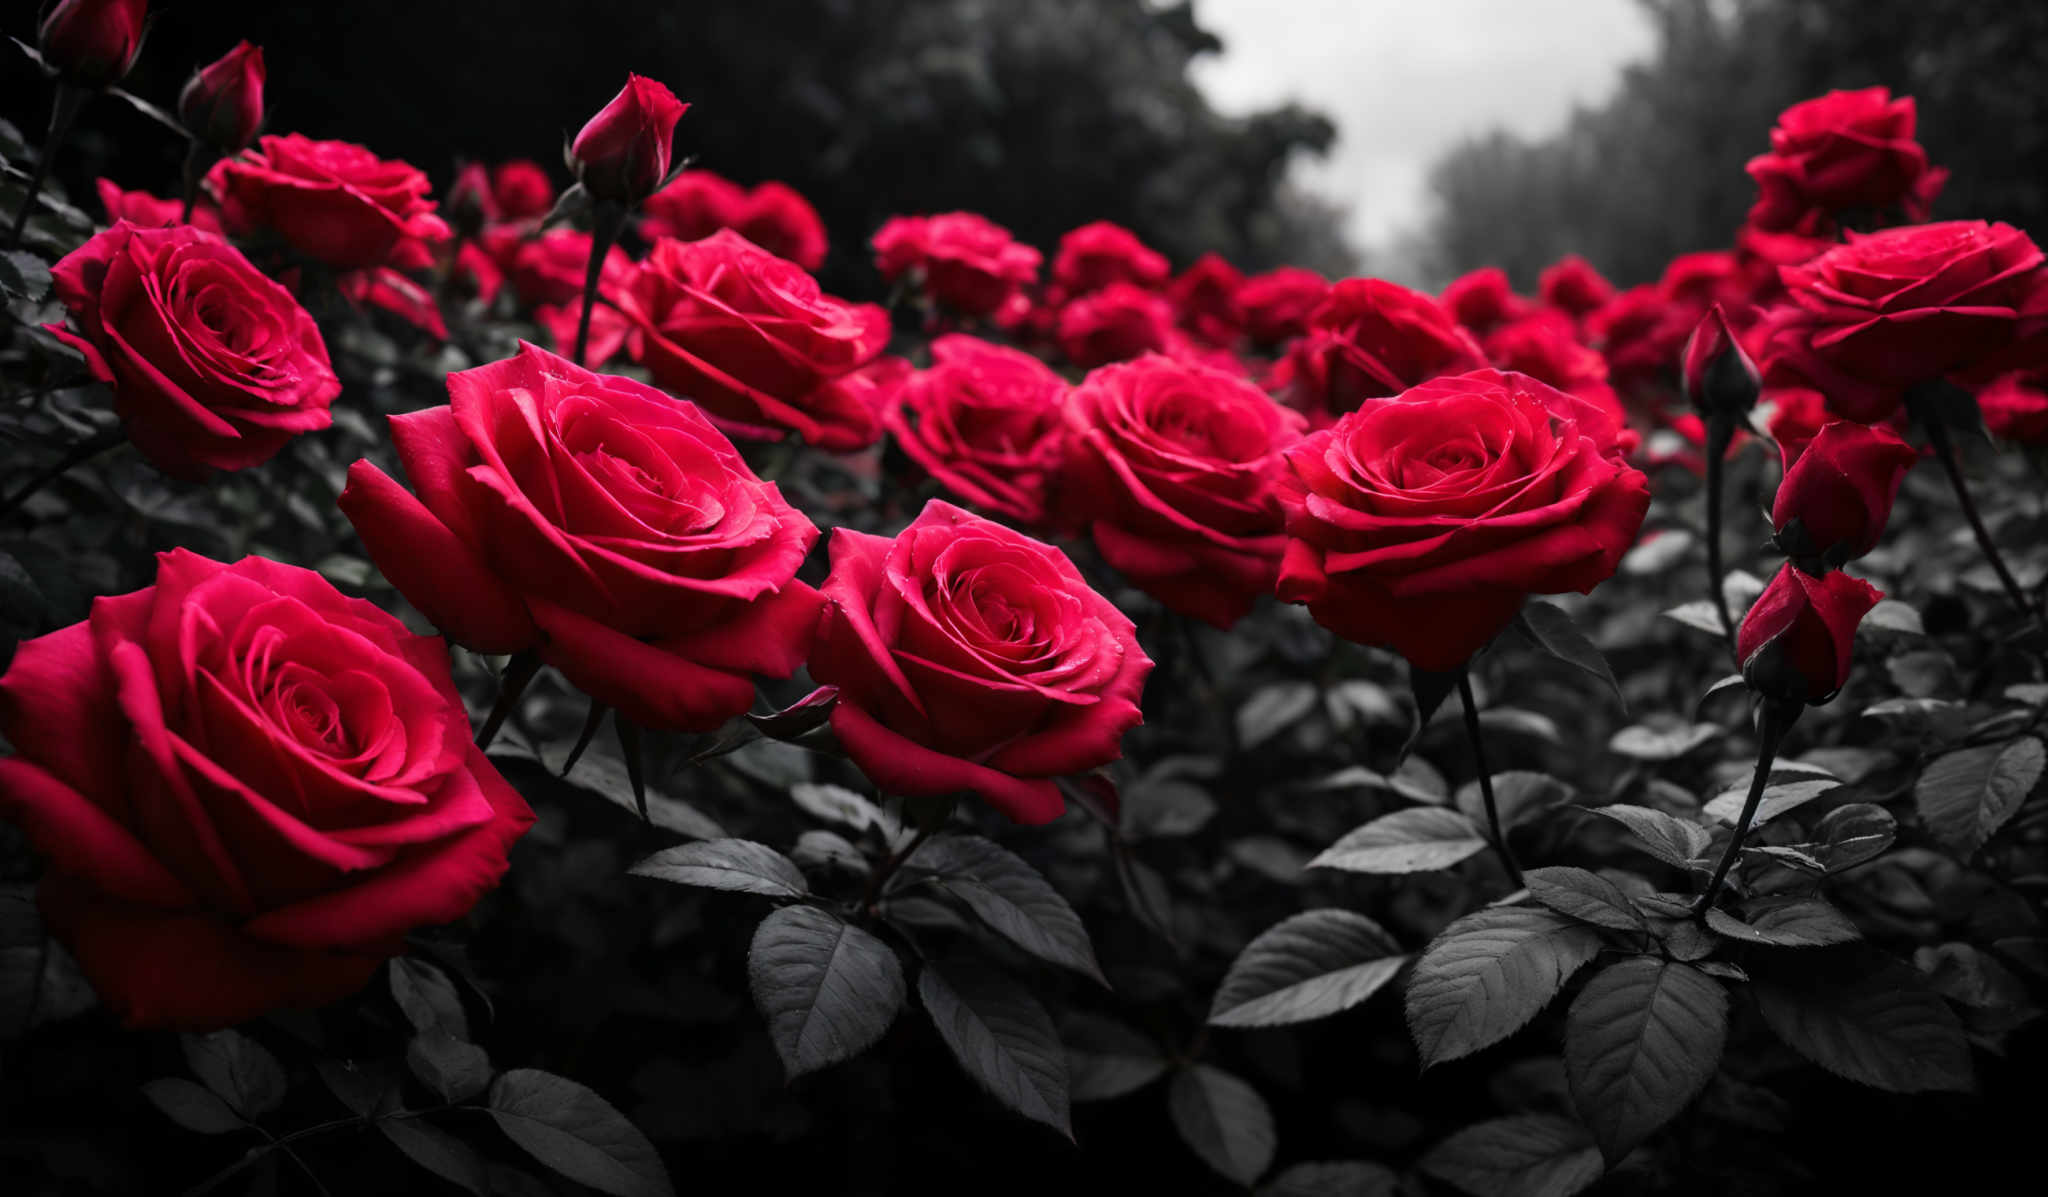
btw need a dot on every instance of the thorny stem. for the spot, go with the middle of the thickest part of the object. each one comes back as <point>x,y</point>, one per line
<point>519,671</point>
<point>1773,719</point>
<point>1500,839</point>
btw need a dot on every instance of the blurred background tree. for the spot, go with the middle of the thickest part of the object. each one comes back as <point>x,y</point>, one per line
<point>1041,114</point>
<point>1657,169</point>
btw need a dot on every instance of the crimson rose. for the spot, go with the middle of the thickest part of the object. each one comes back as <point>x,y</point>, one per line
<point>1798,640</point>
<point>1422,521</point>
<point>622,154</point>
<point>965,261</point>
<point>1846,151</point>
<point>1095,255</point>
<point>1837,493</point>
<point>972,658</point>
<point>1115,324</point>
<point>1483,300</point>
<point>250,788</point>
<point>330,200</point>
<point>1276,304</point>
<point>1572,286</point>
<point>600,522</point>
<point>1368,339</point>
<point>1204,298</point>
<point>2015,406</point>
<point>984,421</point>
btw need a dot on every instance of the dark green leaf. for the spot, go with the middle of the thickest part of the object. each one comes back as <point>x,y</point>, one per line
<point>1966,796</point>
<point>1107,1059</point>
<point>192,1107</point>
<point>1488,974</point>
<point>1011,898</point>
<point>1408,841</point>
<point>741,866</point>
<point>366,1087</point>
<point>1587,897</point>
<point>1670,839</point>
<point>1519,794</point>
<point>427,997</point>
<point>1224,1121</point>
<point>239,1069</point>
<point>1526,1155</point>
<point>1548,627</point>
<point>1664,743</point>
<point>24,275</point>
<point>456,1070</point>
<point>1778,798</point>
<point>827,988</point>
<point>1849,835</point>
<point>577,1133</point>
<point>1311,965</point>
<point>1787,922</point>
<point>438,1152</point>
<point>1641,1040</point>
<point>1865,1016</point>
<point>1001,1036</point>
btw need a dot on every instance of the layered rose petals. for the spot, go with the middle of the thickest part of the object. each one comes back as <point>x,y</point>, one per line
<point>964,261</point>
<point>985,422</point>
<point>1368,339</point>
<point>334,201</point>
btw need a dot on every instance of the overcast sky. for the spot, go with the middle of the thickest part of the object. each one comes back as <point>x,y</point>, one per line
<point>1407,79</point>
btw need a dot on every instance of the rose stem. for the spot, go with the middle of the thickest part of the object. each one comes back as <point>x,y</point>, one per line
<point>1720,431</point>
<point>1500,838</point>
<point>193,156</point>
<point>82,451</point>
<point>511,684</point>
<point>69,99</point>
<point>591,722</point>
<point>604,230</point>
<point>1773,718</point>
<point>897,860</point>
<point>1945,450</point>
<point>630,751</point>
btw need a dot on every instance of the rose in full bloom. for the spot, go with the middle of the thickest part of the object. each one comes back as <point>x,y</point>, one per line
<point>622,154</point>
<point>1115,324</point>
<point>1421,522</point>
<point>1871,319</point>
<point>1173,468</point>
<point>92,43</point>
<point>213,365</point>
<point>750,337</point>
<point>1640,332</point>
<point>600,522</point>
<point>1798,640</point>
<point>150,211</point>
<point>1837,493</point>
<point>772,215</point>
<point>985,422</point>
<point>1204,298</point>
<point>333,201</point>
<point>222,104</point>
<point>971,658</point>
<point>1276,304</point>
<point>249,788</point>
<point>1095,255</point>
<point>1483,300</point>
<point>779,219</point>
<point>966,262</point>
<point>2015,406</point>
<point>1369,339</point>
<point>1572,286</point>
<point>1846,151</point>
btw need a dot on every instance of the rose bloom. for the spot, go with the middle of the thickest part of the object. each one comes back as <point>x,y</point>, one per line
<point>772,215</point>
<point>780,220</point>
<point>1846,151</point>
<point>1544,347</point>
<point>603,524</point>
<point>972,659</point>
<point>333,201</point>
<point>521,189</point>
<point>1369,339</point>
<point>148,211</point>
<point>1572,286</point>
<point>389,290</point>
<point>213,365</point>
<point>1839,489</point>
<point>965,261</point>
<point>249,788</point>
<point>549,268</point>
<point>749,336</point>
<point>622,154</point>
<point>1421,522</point>
<point>1483,300</point>
<point>1641,333</point>
<point>1115,324</point>
<point>1095,255</point>
<point>1796,416</point>
<point>985,422</point>
<point>1871,319</point>
<point>1204,299</point>
<point>1799,638</point>
<point>2015,406</point>
<point>92,43</point>
<point>222,104</point>
<point>1700,280</point>
<point>1172,468</point>
<point>1276,304</point>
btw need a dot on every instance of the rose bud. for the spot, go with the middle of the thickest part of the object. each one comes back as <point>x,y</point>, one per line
<point>622,155</point>
<point>1838,492</point>
<point>92,43</point>
<point>1718,377</point>
<point>222,104</point>
<point>1798,641</point>
<point>470,204</point>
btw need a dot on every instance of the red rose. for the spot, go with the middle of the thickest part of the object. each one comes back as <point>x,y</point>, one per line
<point>1846,151</point>
<point>1421,522</point>
<point>549,269</point>
<point>984,421</point>
<point>749,336</point>
<point>603,523</point>
<point>250,788</point>
<point>1544,347</point>
<point>92,43</point>
<point>1369,339</point>
<point>1796,417</point>
<point>781,221</point>
<point>522,189</point>
<point>213,365</point>
<point>1204,299</point>
<point>1798,640</point>
<point>1715,372</point>
<point>1640,333</point>
<point>1572,286</point>
<point>697,204</point>
<point>1277,304</point>
<point>1871,319</point>
<point>964,261</point>
<point>330,200</point>
<point>1483,300</point>
<point>149,211</point>
<point>1838,491</point>
<point>222,104</point>
<point>1700,280</point>
<point>2015,406</point>
<point>391,291</point>
<point>972,658</point>
<point>622,154</point>
<point>1115,324</point>
<point>1096,255</point>
<point>1172,468</point>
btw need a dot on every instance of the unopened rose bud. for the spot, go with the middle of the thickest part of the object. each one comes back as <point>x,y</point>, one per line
<point>92,43</point>
<point>622,155</point>
<point>1798,641</point>
<point>222,104</point>
<point>1837,494</point>
<point>1718,377</point>
<point>470,204</point>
